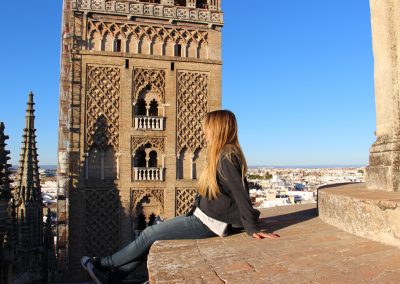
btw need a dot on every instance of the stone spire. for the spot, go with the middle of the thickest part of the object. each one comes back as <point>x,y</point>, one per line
<point>5,191</point>
<point>28,181</point>
<point>28,193</point>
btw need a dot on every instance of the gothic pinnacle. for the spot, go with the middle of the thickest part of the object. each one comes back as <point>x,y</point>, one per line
<point>28,183</point>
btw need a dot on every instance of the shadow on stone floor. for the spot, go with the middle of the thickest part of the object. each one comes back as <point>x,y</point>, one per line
<point>274,223</point>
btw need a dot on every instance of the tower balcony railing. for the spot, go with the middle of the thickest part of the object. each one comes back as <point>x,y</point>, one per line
<point>149,122</point>
<point>148,174</point>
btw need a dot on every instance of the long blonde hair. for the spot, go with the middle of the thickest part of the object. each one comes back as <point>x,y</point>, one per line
<point>223,133</point>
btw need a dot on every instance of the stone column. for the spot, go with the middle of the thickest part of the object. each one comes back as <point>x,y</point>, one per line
<point>384,161</point>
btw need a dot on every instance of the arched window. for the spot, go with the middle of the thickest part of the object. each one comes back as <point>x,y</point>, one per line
<point>153,159</point>
<point>117,45</point>
<point>141,222</point>
<point>153,108</point>
<point>152,219</point>
<point>110,164</point>
<point>140,159</point>
<point>140,107</point>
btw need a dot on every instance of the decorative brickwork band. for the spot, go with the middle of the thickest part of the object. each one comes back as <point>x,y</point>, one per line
<point>184,200</point>
<point>101,221</point>
<point>153,10</point>
<point>103,101</point>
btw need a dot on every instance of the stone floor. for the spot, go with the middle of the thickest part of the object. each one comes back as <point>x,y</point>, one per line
<point>309,251</point>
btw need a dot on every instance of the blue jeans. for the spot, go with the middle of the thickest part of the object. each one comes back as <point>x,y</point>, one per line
<point>127,259</point>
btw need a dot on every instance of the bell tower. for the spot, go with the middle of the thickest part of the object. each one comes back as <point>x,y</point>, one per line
<point>137,78</point>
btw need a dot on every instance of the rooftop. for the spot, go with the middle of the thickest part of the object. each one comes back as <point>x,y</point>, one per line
<point>309,251</point>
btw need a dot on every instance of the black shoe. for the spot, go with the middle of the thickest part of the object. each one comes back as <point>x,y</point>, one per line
<point>92,265</point>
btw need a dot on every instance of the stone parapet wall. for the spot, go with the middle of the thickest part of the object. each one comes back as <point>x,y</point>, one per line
<point>309,251</point>
<point>370,214</point>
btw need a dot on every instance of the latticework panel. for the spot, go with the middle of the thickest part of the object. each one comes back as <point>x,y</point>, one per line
<point>184,200</point>
<point>103,101</point>
<point>192,107</point>
<point>153,78</point>
<point>101,221</point>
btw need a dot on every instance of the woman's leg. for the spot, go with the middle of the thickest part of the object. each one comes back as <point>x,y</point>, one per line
<point>182,227</point>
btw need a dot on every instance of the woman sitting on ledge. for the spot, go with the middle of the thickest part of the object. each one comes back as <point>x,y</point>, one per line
<point>223,202</point>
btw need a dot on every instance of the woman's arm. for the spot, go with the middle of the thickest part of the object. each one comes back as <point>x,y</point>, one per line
<point>231,177</point>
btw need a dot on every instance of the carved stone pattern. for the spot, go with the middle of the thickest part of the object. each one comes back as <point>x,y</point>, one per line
<point>193,14</point>
<point>151,32</point>
<point>138,194</point>
<point>120,6</point>
<point>103,100</point>
<point>101,221</point>
<point>168,12</point>
<point>181,13</point>
<point>157,11</point>
<point>154,9</point>
<point>148,77</point>
<point>155,142</point>
<point>83,4</point>
<point>192,107</point>
<point>134,8</point>
<point>147,10</point>
<point>108,6</point>
<point>184,200</point>
<point>203,16</point>
<point>96,4</point>
<point>215,17</point>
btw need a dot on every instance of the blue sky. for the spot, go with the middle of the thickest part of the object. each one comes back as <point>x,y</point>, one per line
<point>298,75</point>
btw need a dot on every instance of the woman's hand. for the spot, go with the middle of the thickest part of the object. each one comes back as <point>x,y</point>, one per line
<point>262,235</point>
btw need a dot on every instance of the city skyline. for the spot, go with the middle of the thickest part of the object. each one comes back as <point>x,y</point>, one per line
<point>300,82</point>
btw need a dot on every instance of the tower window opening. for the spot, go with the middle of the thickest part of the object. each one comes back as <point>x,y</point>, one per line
<point>140,107</point>
<point>172,66</point>
<point>153,159</point>
<point>153,108</point>
<point>202,4</point>
<point>117,45</point>
<point>151,1</point>
<point>140,159</point>
<point>127,63</point>
<point>178,50</point>
<point>180,2</point>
